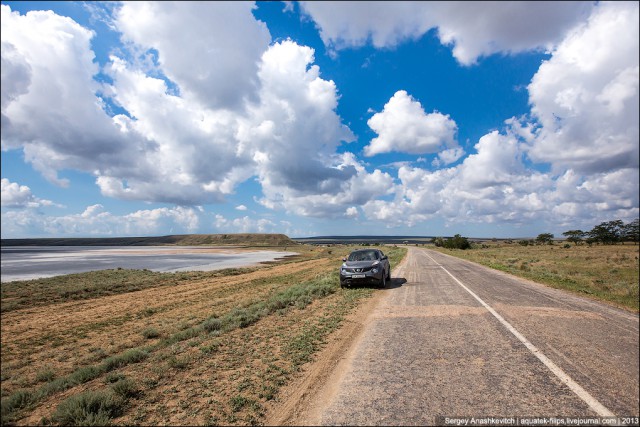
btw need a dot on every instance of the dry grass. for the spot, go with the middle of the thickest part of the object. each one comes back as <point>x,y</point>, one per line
<point>206,349</point>
<point>607,273</point>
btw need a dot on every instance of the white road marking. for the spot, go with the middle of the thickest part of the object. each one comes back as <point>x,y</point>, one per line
<point>593,403</point>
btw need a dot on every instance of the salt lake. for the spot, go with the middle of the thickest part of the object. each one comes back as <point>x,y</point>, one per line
<point>32,262</point>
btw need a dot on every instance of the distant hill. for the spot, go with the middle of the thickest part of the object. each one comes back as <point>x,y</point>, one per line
<point>241,239</point>
<point>327,240</point>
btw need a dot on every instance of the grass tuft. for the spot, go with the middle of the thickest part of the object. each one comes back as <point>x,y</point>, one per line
<point>133,355</point>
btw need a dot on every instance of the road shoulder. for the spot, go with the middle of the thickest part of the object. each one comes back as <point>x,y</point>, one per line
<point>303,399</point>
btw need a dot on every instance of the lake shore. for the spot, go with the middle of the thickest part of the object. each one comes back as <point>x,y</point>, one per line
<point>33,262</point>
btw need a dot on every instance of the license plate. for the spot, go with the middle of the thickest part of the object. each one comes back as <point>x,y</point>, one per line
<point>358,276</point>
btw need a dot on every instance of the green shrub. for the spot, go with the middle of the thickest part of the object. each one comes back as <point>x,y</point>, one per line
<point>125,388</point>
<point>91,408</point>
<point>45,375</point>
<point>84,374</point>
<point>238,402</point>
<point>17,400</point>
<point>182,336</point>
<point>211,325</point>
<point>114,377</point>
<point>54,386</point>
<point>243,317</point>
<point>181,363</point>
<point>457,242</point>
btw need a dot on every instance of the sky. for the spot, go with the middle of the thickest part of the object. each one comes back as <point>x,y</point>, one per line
<point>485,119</point>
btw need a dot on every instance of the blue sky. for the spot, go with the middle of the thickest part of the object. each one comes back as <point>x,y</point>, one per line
<point>504,119</point>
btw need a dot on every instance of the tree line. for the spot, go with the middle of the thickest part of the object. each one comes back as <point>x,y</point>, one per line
<point>606,233</point>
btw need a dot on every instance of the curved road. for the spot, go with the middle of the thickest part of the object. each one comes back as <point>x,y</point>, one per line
<point>451,339</point>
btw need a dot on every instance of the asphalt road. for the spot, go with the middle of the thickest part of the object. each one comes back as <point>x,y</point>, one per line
<point>454,339</point>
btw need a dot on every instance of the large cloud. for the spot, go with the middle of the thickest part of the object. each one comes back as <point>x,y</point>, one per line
<point>294,133</point>
<point>495,185</point>
<point>474,29</point>
<point>210,49</point>
<point>403,126</point>
<point>489,185</point>
<point>191,156</point>
<point>49,103</point>
<point>260,111</point>
<point>165,148</point>
<point>585,97</point>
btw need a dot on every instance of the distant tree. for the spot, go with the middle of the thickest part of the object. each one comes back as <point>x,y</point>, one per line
<point>523,242</point>
<point>607,233</point>
<point>439,242</point>
<point>631,231</point>
<point>545,239</point>
<point>457,242</point>
<point>574,236</point>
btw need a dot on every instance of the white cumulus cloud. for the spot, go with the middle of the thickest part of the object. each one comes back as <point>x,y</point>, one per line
<point>49,103</point>
<point>210,49</point>
<point>404,126</point>
<point>294,132</point>
<point>15,195</point>
<point>473,29</point>
<point>585,97</point>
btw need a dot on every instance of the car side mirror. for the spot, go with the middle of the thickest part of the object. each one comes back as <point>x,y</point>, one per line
<point>385,257</point>
<point>344,260</point>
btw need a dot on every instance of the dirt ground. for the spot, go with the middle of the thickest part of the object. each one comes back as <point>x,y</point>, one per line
<point>110,324</point>
<point>61,338</point>
<point>246,376</point>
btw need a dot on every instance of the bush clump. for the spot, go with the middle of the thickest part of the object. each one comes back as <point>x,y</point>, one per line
<point>455,242</point>
<point>18,400</point>
<point>91,408</point>
<point>125,388</point>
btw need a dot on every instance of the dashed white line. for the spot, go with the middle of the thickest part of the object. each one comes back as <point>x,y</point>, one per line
<point>593,403</point>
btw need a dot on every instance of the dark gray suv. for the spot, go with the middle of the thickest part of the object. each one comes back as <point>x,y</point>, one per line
<point>365,266</point>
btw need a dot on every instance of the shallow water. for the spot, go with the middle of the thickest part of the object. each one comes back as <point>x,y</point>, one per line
<point>32,262</point>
